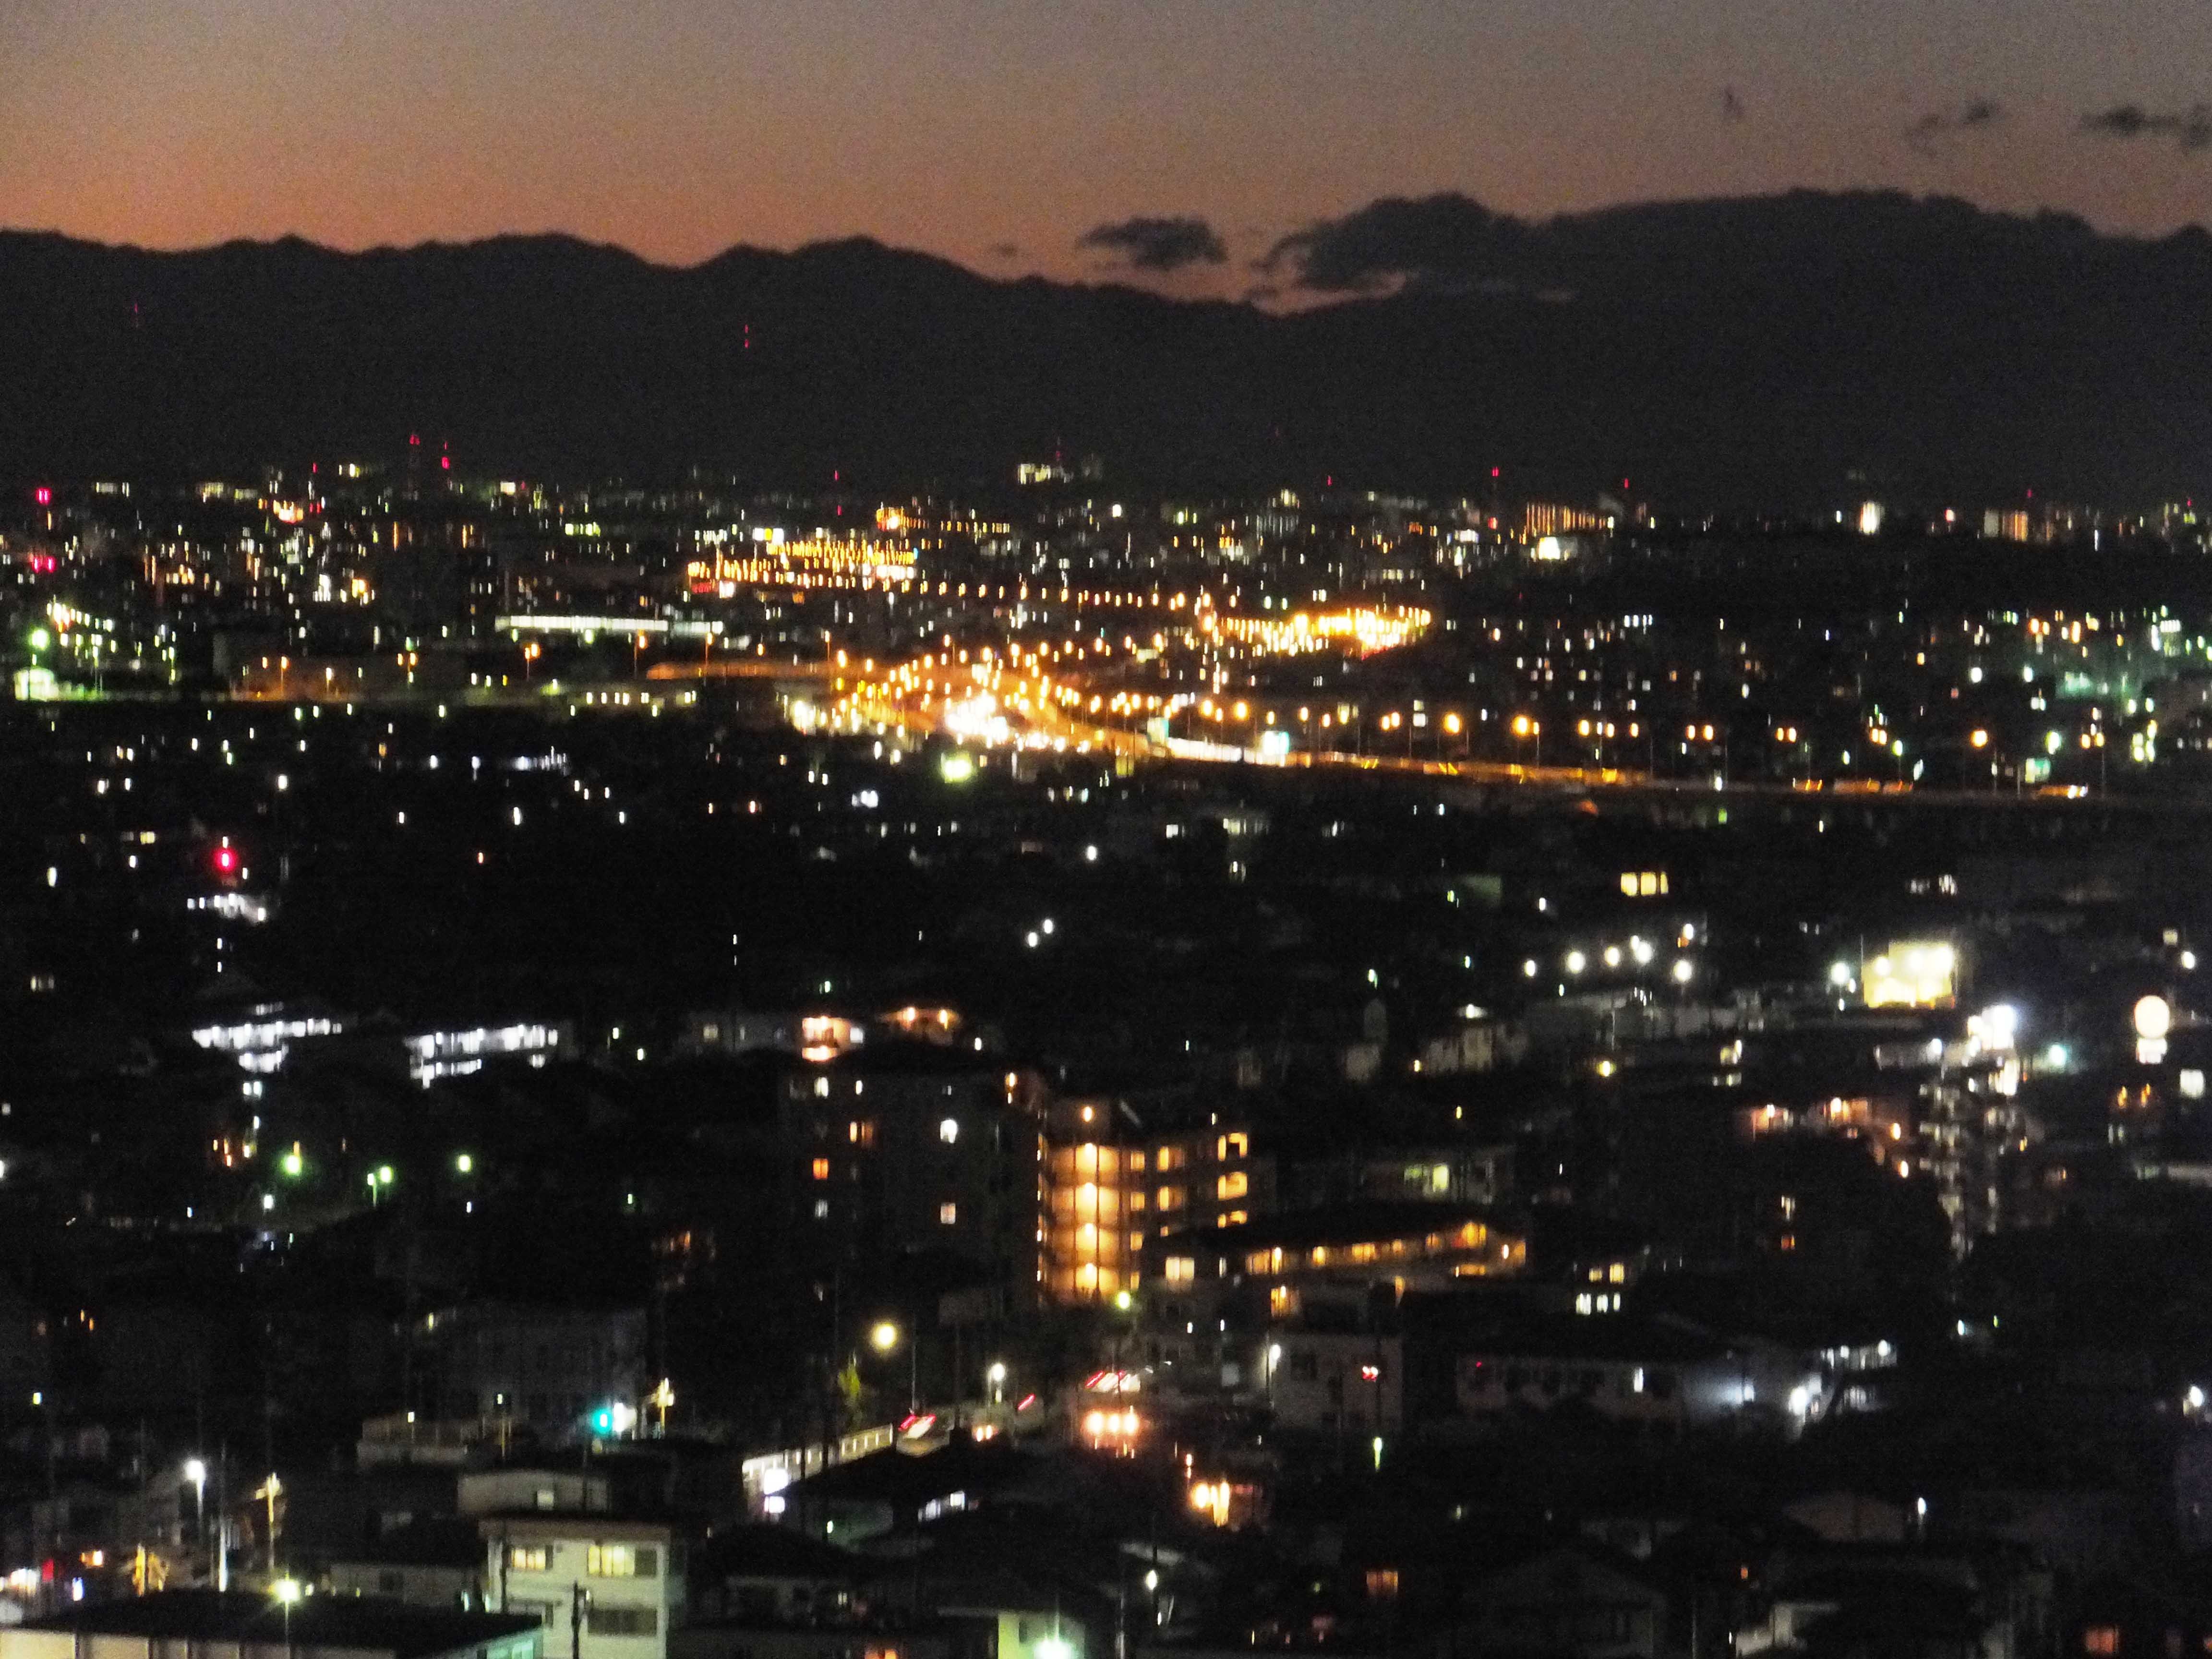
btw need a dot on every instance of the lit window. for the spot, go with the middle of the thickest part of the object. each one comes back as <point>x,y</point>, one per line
<point>949,1131</point>
<point>1168,1159</point>
<point>1235,1146</point>
<point>821,1209</point>
<point>1381,1583</point>
<point>622,1561</point>
<point>822,1169</point>
<point>2101,1639</point>
<point>1233,1185</point>
<point>1169,1198</point>
<point>1181,1269</point>
<point>948,1215</point>
<point>529,1558</point>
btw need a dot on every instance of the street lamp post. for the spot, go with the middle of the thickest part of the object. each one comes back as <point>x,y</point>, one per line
<point>196,1472</point>
<point>882,1337</point>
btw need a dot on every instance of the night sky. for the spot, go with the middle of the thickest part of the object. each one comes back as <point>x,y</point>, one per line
<point>999,133</point>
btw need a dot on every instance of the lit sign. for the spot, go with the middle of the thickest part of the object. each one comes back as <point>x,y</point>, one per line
<point>1912,974</point>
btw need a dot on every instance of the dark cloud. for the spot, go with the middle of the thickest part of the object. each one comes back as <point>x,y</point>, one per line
<point>1159,244</point>
<point>1922,134</point>
<point>1007,250</point>
<point>2191,129</point>
<point>1731,106</point>
<point>1448,241</point>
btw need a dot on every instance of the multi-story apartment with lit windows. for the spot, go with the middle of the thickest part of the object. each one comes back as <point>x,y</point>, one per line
<point>1351,1250</point>
<point>605,1587</point>
<point>910,1148</point>
<point>1110,1192</point>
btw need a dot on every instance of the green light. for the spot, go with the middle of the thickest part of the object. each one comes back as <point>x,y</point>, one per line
<point>40,639</point>
<point>383,1176</point>
<point>464,1163</point>
<point>1124,1301</point>
<point>294,1163</point>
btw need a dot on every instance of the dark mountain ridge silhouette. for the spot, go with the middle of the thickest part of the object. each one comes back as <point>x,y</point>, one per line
<point>1792,349</point>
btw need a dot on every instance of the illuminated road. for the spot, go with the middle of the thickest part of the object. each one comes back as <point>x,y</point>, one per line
<point>924,699</point>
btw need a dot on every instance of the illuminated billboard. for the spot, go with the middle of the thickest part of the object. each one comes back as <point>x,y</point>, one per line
<point>1913,974</point>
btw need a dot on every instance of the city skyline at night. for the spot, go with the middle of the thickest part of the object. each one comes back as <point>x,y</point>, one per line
<point>1134,830</point>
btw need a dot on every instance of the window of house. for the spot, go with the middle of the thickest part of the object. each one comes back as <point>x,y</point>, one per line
<point>1233,1146</point>
<point>948,1215</point>
<point>1381,1583</point>
<point>1169,1198</point>
<point>1181,1269</point>
<point>623,1561</point>
<point>2103,1640</point>
<point>529,1558</point>
<point>949,1131</point>
<point>1170,1158</point>
<point>822,1169</point>
<point>624,1621</point>
<point>1232,1185</point>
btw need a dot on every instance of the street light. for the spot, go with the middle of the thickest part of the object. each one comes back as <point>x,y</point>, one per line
<point>884,1336</point>
<point>996,1376</point>
<point>286,1592</point>
<point>196,1472</point>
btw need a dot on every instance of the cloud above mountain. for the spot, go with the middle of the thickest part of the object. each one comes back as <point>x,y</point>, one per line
<point>1443,241</point>
<point>2191,129</point>
<point>1981,113</point>
<point>1159,245</point>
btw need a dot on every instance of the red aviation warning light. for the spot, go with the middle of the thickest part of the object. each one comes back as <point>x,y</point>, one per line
<point>226,860</point>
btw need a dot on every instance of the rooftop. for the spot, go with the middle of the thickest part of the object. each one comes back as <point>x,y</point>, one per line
<point>326,1621</point>
<point>1341,1224</point>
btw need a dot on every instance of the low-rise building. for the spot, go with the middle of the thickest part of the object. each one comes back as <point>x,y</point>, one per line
<point>1635,1370</point>
<point>602,1587</point>
<point>215,1625</point>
